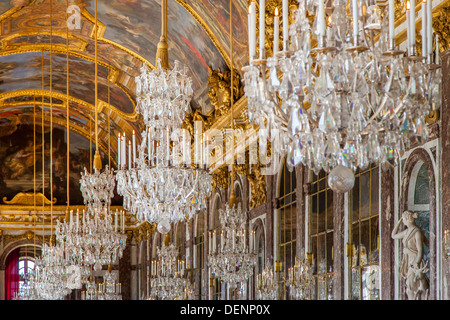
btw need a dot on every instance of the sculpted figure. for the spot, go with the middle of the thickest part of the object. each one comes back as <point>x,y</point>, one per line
<point>413,267</point>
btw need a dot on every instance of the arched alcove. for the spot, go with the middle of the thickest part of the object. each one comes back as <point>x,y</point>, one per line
<point>418,193</point>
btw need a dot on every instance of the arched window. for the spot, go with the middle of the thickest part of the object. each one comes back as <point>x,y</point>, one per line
<point>321,230</point>
<point>364,235</point>
<point>26,269</point>
<point>179,240</point>
<point>216,284</point>
<point>198,251</point>
<point>19,265</point>
<point>287,222</point>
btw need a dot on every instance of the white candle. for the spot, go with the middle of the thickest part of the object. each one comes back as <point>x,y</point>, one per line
<point>391,19</point>
<point>429,28</point>
<point>252,44</point>
<point>115,224</point>
<point>129,154</point>
<point>355,19</point>
<point>123,149</point>
<point>233,239</point>
<point>412,20</point>
<point>276,32</point>
<point>134,149</point>
<point>424,28</point>
<point>249,27</point>
<point>408,24</point>
<point>214,241</point>
<point>123,221</point>
<point>262,28</point>
<point>149,145</point>
<point>168,146</point>
<point>118,151</point>
<point>78,220</point>
<point>285,13</point>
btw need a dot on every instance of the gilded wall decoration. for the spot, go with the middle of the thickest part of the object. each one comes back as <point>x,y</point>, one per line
<point>29,235</point>
<point>144,231</point>
<point>221,178</point>
<point>219,91</point>
<point>441,26</point>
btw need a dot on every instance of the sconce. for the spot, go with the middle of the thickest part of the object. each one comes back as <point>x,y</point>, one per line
<point>277,266</point>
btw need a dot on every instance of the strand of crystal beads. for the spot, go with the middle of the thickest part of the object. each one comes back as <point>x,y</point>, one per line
<point>353,100</point>
<point>231,259</point>
<point>167,276</point>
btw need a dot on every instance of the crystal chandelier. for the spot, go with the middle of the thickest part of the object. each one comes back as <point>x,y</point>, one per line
<point>99,237</point>
<point>50,278</point>
<point>232,260</point>
<point>351,99</point>
<point>94,237</point>
<point>266,285</point>
<point>300,280</point>
<point>157,181</point>
<point>167,276</point>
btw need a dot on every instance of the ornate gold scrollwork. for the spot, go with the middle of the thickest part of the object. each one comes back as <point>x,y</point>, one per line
<point>29,235</point>
<point>219,92</point>
<point>144,231</point>
<point>28,199</point>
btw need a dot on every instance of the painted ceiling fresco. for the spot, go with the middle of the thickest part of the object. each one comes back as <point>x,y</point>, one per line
<point>27,162</point>
<point>36,51</point>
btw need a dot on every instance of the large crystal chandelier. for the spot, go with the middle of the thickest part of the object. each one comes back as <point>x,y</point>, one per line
<point>232,260</point>
<point>157,181</point>
<point>167,276</point>
<point>96,236</point>
<point>266,285</point>
<point>300,280</point>
<point>340,94</point>
<point>101,239</point>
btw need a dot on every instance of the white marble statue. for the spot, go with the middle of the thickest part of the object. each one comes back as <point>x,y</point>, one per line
<point>413,267</point>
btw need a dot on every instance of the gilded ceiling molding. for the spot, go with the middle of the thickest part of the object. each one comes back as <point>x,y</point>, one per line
<point>82,44</point>
<point>62,96</point>
<point>29,235</point>
<point>208,31</point>
<point>101,31</point>
<point>56,48</point>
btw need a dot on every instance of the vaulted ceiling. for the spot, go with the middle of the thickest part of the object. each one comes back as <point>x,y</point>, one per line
<point>44,65</point>
<point>129,31</point>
